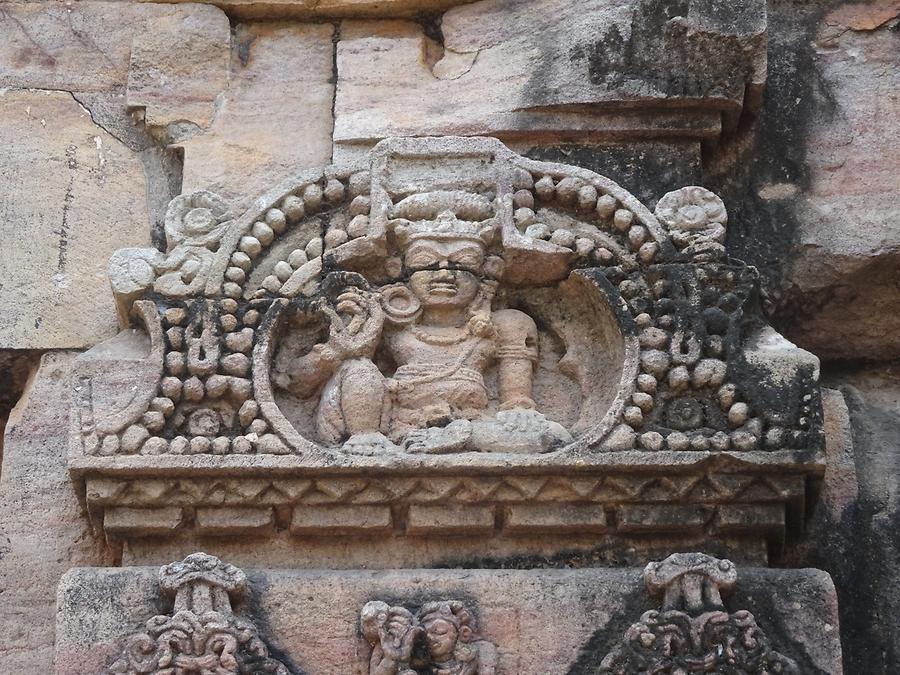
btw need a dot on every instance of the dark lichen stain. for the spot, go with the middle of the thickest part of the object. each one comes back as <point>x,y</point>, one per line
<point>646,169</point>
<point>251,609</point>
<point>771,149</point>
<point>661,55</point>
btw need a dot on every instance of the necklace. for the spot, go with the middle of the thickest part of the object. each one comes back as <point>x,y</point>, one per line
<point>422,335</point>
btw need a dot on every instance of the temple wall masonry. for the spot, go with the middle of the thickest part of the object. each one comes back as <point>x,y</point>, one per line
<point>534,337</point>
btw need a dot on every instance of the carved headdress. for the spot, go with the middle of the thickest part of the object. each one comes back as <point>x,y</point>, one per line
<point>443,214</point>
<point>452,611</point>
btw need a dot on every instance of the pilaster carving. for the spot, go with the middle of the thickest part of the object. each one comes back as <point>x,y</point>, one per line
<point>201,635</point>
<point>693,632</point>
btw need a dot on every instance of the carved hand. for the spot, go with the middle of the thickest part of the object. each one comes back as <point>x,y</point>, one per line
<point>356,323</point>
<point>398,638</point>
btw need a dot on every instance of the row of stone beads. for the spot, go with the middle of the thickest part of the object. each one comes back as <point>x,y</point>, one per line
<point>585,199</point>
<point>293,208</point>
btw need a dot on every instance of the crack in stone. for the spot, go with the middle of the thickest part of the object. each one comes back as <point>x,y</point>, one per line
<point>335,39</point>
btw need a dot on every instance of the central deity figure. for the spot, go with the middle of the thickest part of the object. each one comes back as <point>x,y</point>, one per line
<point>440,335</point>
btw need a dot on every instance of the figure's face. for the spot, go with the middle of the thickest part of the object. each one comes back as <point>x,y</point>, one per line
<point>441,637</point>
<point>444,273</point>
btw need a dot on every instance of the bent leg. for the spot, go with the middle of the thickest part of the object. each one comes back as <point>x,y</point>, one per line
<point>353,401</point>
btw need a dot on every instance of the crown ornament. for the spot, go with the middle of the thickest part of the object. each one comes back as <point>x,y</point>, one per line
<point>445,226</point>
<point>444,214</point>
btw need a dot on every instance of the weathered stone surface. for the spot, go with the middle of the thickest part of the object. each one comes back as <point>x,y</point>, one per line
<point>87,46</point>
<point>812,185</point>
<point>852,532</point>
<point>274,119</point>
<point>312,10</point>
<point>78,195</point>
<point>598,69</point>
<point>76,47</point>
<point>179,65</point>
<point>310,620</point>
<point>16,369</point>
<point>845,276</point>
<point>42,530</point>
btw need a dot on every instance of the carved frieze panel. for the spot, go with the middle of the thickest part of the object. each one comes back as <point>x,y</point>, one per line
<point>448,305</point>
<point>700,619</point>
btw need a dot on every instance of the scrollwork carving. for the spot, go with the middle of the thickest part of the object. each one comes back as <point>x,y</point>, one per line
<point>693,632</point>
<point>202,635</point>
<point>696,219</point>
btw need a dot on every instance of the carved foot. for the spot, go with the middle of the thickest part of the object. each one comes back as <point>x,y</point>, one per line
<point>440,440</point>
<point>370,443</point>
<point>521,431</point>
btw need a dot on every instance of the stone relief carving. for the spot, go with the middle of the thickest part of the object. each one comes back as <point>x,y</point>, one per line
<point>452,297</point>
<point>440,639</point>
<point>470,322</point>
<point>696,220</point>
<point>194,226</point>
<point>693,632</point>
<point>440,332</point>
<point>202,635</point>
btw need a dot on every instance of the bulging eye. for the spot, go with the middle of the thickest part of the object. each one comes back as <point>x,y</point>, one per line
<point>467,262</point>
<point>421,261</point>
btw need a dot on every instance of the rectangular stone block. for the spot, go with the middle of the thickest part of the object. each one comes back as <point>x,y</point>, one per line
<point>450,519</point>
<point>494,74</point>
<point>179,65</point>
<point>78,196</point>
<point>81,47</point>
<point>531,518</point>
<point>258,134</point>
<point>340,519</point>
<point>640,518</point>
<point>235,520</point>
<point>319,10</point>
<point>542,622</point>
<point>739,518</point>
<point>123,521</point>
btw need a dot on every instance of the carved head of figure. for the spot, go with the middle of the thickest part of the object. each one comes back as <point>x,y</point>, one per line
<point>373,617</point>
<point>448,629</point>
<point>445,271</point>
<point>444,237</point>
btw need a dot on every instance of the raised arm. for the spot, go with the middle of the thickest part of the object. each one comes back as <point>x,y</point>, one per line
<point>355,330</point>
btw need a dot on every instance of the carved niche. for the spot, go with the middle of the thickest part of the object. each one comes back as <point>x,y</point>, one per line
<point>693,632</point>
<point>448,309</point>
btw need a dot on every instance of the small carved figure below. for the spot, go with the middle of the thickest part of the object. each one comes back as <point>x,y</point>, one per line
<point>440,333</point>
<point>439,640</point>
<point>391,633</point>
